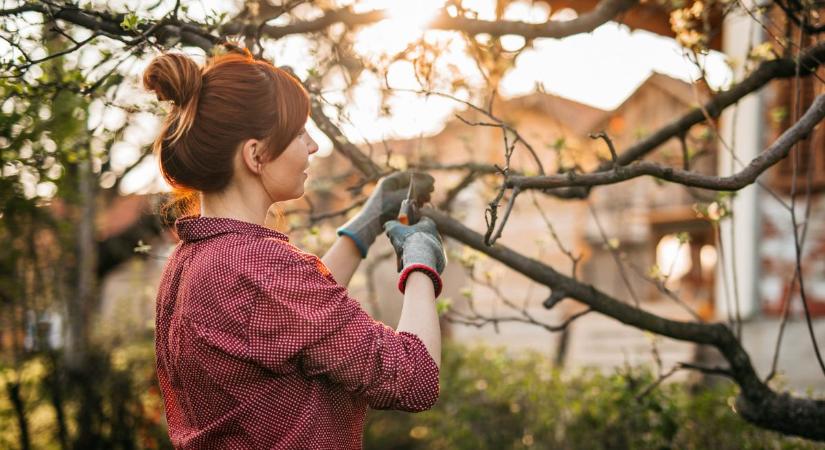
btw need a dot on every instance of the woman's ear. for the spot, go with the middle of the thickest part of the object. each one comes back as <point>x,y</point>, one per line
<point>251,155</point>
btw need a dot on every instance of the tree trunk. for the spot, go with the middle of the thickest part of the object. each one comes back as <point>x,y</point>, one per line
<point>13,389</point>
<point>54,381</point>
<point>80,304</point>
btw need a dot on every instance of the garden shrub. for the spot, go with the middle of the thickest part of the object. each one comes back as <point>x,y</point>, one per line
<point>492,400</point>
<point>489,400</point>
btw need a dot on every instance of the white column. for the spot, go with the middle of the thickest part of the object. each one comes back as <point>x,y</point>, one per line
<point>741,128</point>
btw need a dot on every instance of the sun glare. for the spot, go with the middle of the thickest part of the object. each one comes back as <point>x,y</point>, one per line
<point>414,14</point>
<point>406,21</point>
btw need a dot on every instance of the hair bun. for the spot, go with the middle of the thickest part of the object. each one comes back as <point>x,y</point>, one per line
<point>175,77</point>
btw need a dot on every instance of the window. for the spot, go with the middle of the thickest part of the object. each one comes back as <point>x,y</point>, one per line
<point>685,252</point>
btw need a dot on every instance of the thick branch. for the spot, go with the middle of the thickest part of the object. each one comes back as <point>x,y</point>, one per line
<point>197,35</point>
<point>345,16</point>
<point>773,154</point>
<point>757,403</point>
<point>603,12</point>
<point>809,61</point>
<point>109,24</point>
<point>342,144</point>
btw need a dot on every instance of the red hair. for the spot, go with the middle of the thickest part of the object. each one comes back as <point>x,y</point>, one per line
<point>234,97</point>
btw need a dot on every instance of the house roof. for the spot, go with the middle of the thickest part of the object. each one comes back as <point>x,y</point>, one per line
<point>678,90</point>
<point>576,116</point>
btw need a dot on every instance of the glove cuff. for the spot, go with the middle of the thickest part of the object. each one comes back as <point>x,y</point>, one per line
<point>429,271</point>
<point>358,243</point>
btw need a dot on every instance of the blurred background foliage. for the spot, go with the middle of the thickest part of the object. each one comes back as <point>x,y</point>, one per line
<point>490,399</point>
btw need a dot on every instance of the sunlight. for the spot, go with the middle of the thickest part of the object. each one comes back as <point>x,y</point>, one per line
<point>414,14</point>
<point>406,22</point>
<point>673,257</point>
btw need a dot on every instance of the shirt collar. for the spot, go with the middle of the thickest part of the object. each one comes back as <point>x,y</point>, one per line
<point>196,227</point>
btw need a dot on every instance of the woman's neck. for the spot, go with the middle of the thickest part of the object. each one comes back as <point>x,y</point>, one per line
<point>234,205</point>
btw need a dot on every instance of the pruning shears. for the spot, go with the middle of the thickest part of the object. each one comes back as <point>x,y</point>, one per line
<point>408,213</point>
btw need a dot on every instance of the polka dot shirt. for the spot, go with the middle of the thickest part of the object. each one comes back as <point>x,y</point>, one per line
<point>258,347</point>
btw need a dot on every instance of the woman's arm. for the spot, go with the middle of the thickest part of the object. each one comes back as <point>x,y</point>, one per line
<point>308,319</point>
<point>342,259</point>
<point>418,315</point>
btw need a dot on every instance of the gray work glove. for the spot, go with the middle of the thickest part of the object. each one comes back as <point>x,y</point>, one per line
<point>383,205</point>
<point>420,248</point>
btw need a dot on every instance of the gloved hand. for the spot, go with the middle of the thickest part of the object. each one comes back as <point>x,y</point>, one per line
<point>420,248</point>
<point>383,205</point>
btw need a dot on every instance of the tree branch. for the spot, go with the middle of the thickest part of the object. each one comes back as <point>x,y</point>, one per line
<point>809,60</point>
<point>196,35</point>
<point>757,402</point>
<point>747,176</point>
<point>557,29</point>
<point>361,161</point>
<point>109,24</point>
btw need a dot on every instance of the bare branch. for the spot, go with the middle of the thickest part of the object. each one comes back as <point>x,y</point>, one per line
<point>479,320</point>
<point>507,212</point>
<point>497,123</point>
<point>609,142</point>
<point>468,179</point>
<point>557,29</point>
<point>707,370</point>
<point>773,154</point>
<point>342,144</point>
<point>757,403</point>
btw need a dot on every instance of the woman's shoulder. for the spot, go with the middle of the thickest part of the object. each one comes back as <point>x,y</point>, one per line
<point>239,254</point>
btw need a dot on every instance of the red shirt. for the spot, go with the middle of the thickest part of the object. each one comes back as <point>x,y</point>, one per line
<point>258,347</point>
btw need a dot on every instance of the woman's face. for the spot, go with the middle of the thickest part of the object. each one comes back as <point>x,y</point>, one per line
<point>285,175</point>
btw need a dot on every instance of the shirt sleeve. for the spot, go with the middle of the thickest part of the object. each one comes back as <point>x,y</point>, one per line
<point>307,317</point>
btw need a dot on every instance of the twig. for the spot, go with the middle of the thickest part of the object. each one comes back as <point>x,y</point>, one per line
<point>573,258</point>
<point>603,135</point>
<point>615,256</point>
<point>507,211</point>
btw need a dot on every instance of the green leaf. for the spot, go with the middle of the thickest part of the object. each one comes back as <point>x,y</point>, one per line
<point>442,305</point>
<point>131,22</point>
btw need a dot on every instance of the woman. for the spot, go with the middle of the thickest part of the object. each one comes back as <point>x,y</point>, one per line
<point>258,344</point>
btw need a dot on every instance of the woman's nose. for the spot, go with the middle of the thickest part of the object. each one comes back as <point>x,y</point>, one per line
<point>313,146</point>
